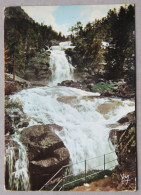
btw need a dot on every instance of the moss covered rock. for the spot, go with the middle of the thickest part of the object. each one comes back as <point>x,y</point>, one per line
<point>107,107</point>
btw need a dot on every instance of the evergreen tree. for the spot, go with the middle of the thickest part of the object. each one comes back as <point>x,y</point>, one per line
<point>23,37</point>
<point>121,43</point>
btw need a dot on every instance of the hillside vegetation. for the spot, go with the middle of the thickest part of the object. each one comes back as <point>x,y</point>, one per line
<point>106,47</point>
<point>23,37</point>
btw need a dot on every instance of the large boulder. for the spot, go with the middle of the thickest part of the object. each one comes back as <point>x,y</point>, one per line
<point>126,156</point>
<point>46,153</point>
<point>42,170</point>
<point>130,117</point>
<point>71,83</point>
<point>115,134</point>
<point>13,86</point>
<point>122,90</point>
<point>40,140</point>
<point>125,91</point>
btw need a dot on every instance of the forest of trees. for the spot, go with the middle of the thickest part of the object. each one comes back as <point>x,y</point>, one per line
<point>23,37</point>
<point>118,30</point>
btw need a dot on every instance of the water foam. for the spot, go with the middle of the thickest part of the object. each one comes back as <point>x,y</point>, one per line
<point>60,67</point>
<point>85,131</point>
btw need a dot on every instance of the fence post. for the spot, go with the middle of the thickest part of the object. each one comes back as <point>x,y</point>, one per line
<point>85,171</point>
<point>104,162</point>
<point>62,180</point>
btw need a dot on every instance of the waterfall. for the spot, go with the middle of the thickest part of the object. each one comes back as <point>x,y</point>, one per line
<point>16,156</point>
<point>60,67</point>
<point>17,167</point>
<point>85,130</point>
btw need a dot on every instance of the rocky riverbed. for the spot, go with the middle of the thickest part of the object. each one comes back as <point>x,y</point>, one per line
<point>121,89</point>
<point>49,126</point>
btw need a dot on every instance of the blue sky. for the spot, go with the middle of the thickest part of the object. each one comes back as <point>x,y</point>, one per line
<point>63,17</point>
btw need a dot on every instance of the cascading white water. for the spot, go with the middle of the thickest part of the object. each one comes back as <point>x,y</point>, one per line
<point>18,168</point>
<point>60,67</point>
<point>16,159</point>
<point>85,131</point>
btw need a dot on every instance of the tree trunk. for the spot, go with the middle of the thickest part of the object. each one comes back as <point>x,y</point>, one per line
<point>14,69</point>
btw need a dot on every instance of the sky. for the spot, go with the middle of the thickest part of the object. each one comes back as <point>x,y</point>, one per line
<point>61,18</point>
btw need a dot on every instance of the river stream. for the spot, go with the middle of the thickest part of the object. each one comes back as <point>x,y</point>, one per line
<point>85,129</point>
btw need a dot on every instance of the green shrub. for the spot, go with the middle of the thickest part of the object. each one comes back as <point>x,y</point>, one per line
<point>102,87</point>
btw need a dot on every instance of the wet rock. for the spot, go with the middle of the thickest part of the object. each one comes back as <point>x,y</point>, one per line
<point>46,153</point>
<point>126,155</point>
<point>40,140</point>
<point>24,124</point>
<point>15,113</point>
<point>107,107</point>
<point>86,70</point>
<point>89,98</point>
<point>8,124</point>
<point>108,94</point>
<point>51,164</point>
<point>116,125</point>
<point>121,89</point>
<point>125,91</point>
<point>12,87</point>
<point>114,135</point>
<point>84,75</point>
<point>90,85</point>
<point>16,119</point>
<point>123,120</point>
<point>71,100</point>
<point>126,148</point>
<point>42,170</point>
<point>71,83</point>
<point>128,118</point>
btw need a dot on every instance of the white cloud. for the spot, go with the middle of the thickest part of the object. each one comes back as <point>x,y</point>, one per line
<point>93,12</point>
<point>44,14</point>
<point>88,13</point>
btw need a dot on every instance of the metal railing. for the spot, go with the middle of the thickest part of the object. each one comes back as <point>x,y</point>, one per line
<point>85,174</point>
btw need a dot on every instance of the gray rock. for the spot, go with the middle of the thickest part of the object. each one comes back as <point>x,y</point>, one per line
<point>40,140</point>
<point>38,67</point>
<point>46,153</point>
<point>50,164</point>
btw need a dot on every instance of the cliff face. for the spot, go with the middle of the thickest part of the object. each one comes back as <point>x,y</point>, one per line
<point>126,148</point>
<point>38,68</point>
<point>124,175</point>
<point>16,13</point>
